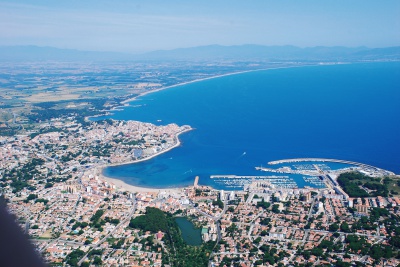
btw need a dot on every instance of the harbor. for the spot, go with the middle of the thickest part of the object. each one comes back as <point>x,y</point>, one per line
<point>365,168</point>
<point>288,170</point>
<point>315,172</point>
<point>240,182</point>
<point>315,181</point>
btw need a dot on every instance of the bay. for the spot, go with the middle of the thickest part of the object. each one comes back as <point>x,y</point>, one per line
<point>348,111</point>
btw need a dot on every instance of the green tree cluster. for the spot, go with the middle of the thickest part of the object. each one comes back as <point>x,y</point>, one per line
<point>351,182</point>
<point>263,204</point>
<point>73,257</point>
<point>346,181</point>
<point>97,215</point>
<point>41,200</point>
<point>112,221</point>
<point>177,253</point>
<point>218,203</point>
<point>154,220</point>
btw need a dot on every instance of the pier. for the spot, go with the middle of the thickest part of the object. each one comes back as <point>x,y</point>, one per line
<point>288,170</point>
<point>362,165</point>
<point>242,181</point>
<point>245,177</point>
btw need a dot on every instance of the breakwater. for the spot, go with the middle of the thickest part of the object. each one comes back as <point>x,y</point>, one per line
<point>245,177</point>
<point>362,165</point>
<point>241,181</point>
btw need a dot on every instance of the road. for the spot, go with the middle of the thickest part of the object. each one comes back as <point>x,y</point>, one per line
<point>110,233</point>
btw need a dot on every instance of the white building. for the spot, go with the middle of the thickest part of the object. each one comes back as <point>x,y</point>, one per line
<point>222,195</point>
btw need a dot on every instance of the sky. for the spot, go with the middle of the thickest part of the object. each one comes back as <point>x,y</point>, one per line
<point>140,26</point>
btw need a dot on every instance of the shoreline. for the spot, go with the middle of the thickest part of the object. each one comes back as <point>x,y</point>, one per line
<point>203,79</point>
<point>126,102</point>
<point>132,188</point>
<point>177,144</point>
<point>119,184</point>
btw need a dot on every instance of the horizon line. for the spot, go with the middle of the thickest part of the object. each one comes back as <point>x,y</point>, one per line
<point>190,47</point>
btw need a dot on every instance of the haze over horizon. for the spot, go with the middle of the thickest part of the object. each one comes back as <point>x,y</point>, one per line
<point>138,26</point>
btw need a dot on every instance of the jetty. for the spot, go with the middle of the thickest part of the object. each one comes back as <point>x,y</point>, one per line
<point>288,170</point>
<point>243,177</point>
<point>235,181</point>
<point>362,165</point>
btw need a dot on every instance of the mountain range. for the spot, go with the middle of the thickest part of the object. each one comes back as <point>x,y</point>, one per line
<point>205,53</point>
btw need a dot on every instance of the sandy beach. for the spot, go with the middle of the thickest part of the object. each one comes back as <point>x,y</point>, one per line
<point>124,186</point>
<point>204,79</point>
<point>121,185</point>
<point>193,81</point>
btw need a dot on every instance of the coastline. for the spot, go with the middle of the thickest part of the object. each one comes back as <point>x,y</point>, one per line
<point>177,143</point>
<point>132,188</point>
<point>126,102</point>
<point>119,184</point>
<point>122,185</point>
<point>204,79</point>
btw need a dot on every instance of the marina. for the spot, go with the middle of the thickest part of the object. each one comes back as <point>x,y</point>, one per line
<point>304,169</point>
<point>315,181</point>
<point>289,170</point>
<point>372,170</point>
<point>209,150</point>
<point>245,177</point>
<point>240,182</point>
<point>313,167</point>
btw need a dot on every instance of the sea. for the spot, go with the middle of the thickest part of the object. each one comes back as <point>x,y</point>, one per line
<point>241,121</point>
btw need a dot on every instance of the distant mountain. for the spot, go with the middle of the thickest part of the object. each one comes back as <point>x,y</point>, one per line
<point>259,52</point>
<point>205,53</point>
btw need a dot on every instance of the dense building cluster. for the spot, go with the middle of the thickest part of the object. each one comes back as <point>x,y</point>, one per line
<point>51,179</point>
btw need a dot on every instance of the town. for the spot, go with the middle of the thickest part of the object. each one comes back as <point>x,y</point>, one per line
<point>199,133</point>
<point>52,182</point>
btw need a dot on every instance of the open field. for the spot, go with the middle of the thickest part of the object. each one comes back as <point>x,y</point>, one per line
<point>47,234</point>
<point>393,185</point>
<point>46,97</point>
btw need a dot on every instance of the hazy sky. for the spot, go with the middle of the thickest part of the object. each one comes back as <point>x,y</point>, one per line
<point>139,26</point>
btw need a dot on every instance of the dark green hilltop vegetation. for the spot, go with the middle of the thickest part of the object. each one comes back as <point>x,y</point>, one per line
<point>177,253</point>
<point>356,184</point>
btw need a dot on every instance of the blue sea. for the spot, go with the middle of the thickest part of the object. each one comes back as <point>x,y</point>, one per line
<point>348,111</point>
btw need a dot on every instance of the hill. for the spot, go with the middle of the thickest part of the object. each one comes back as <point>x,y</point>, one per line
<point>278,53</point>
<point>205,53</point>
